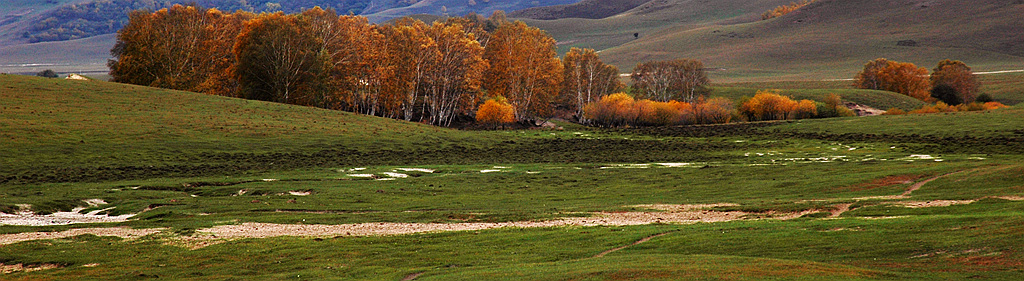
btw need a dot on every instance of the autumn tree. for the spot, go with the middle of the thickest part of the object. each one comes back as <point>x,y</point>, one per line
<point>162,48</point>
<point>219,50</point>
<point>523,68</point>
<point>278,60</point>
<point>900,77</point>
<point>586,79</point>
<point>341,45</point>
<point>495,112</point>
<point>454,72</point>
<point>683,79</point>
<point>954,83</point>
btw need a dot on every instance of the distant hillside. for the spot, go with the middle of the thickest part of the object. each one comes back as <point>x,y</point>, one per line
<point>456,7</point>
<point>587,9</point>
<point>827,39</point>
<point>61,20</point>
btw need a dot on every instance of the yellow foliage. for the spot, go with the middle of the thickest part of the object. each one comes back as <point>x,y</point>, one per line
<point>654,113</point>
<point>804,109</point>
<point>768,105</point>
<point>900,77</point>
<point>495,111</point>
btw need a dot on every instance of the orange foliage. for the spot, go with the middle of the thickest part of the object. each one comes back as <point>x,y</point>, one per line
<point>785,9</point>
<point>804,109</point>
<point>900,77</point>
<point>994,105</point>
<point>622,110</point>
<point>612,110</point>
<point>712,111</point>
<point>767,105</point>
<point>524,68</point>
<point>495,111</point>
<point>940,107</point>
<point>654,113</point>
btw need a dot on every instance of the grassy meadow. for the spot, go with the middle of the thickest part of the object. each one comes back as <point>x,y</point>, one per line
<point>913,197</point>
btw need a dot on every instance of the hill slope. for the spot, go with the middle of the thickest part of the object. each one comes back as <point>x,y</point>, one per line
<point>827,39</point>
<point>587,9</point>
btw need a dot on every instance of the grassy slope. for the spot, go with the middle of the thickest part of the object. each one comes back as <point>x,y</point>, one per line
<point>70,123</point>
<point>602,34</point>
<point>975,240</point>
<point>828,39</point>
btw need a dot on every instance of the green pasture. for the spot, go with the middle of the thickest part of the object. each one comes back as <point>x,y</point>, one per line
<point>185,162</point>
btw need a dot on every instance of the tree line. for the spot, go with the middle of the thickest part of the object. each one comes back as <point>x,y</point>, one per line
<point>410,70</point>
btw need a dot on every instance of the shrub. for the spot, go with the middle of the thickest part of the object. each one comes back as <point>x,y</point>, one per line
<point>49,73</point>
<point>894,111</point>
<point>612,110</point>
<point>833,107</point>
<point>495,112</point>
<point>804,109</point>
<point>653,113</point>
<point>713,111</point>
<point>767,105</point>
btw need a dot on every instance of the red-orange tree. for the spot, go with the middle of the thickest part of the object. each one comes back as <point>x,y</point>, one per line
<point>901,77</point>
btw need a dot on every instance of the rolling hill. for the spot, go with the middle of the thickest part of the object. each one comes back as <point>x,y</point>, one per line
<point>827,39</point>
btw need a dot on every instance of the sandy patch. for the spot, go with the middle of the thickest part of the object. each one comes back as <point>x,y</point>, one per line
<point>396,175</point>
<point>678,214</point>
<point>489,171</point>
<point>361,175</point>
<point>933,203</point>
<point>688,207</point>
<point>123,232</point>
<point>5,269</point>
<point>300,193</point>
<point>265,230</point>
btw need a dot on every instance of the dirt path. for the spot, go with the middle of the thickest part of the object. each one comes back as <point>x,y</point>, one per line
<point>638,242</point>
<point>265,230</point>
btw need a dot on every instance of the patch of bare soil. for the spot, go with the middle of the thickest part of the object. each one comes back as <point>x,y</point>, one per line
<point>123,232</point>
<point>933,203</point>
<point>677,214</point>
<point>5,269</point>
<point>863,110</point>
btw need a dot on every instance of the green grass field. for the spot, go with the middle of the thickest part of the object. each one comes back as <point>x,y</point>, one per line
<point>914,197</point>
